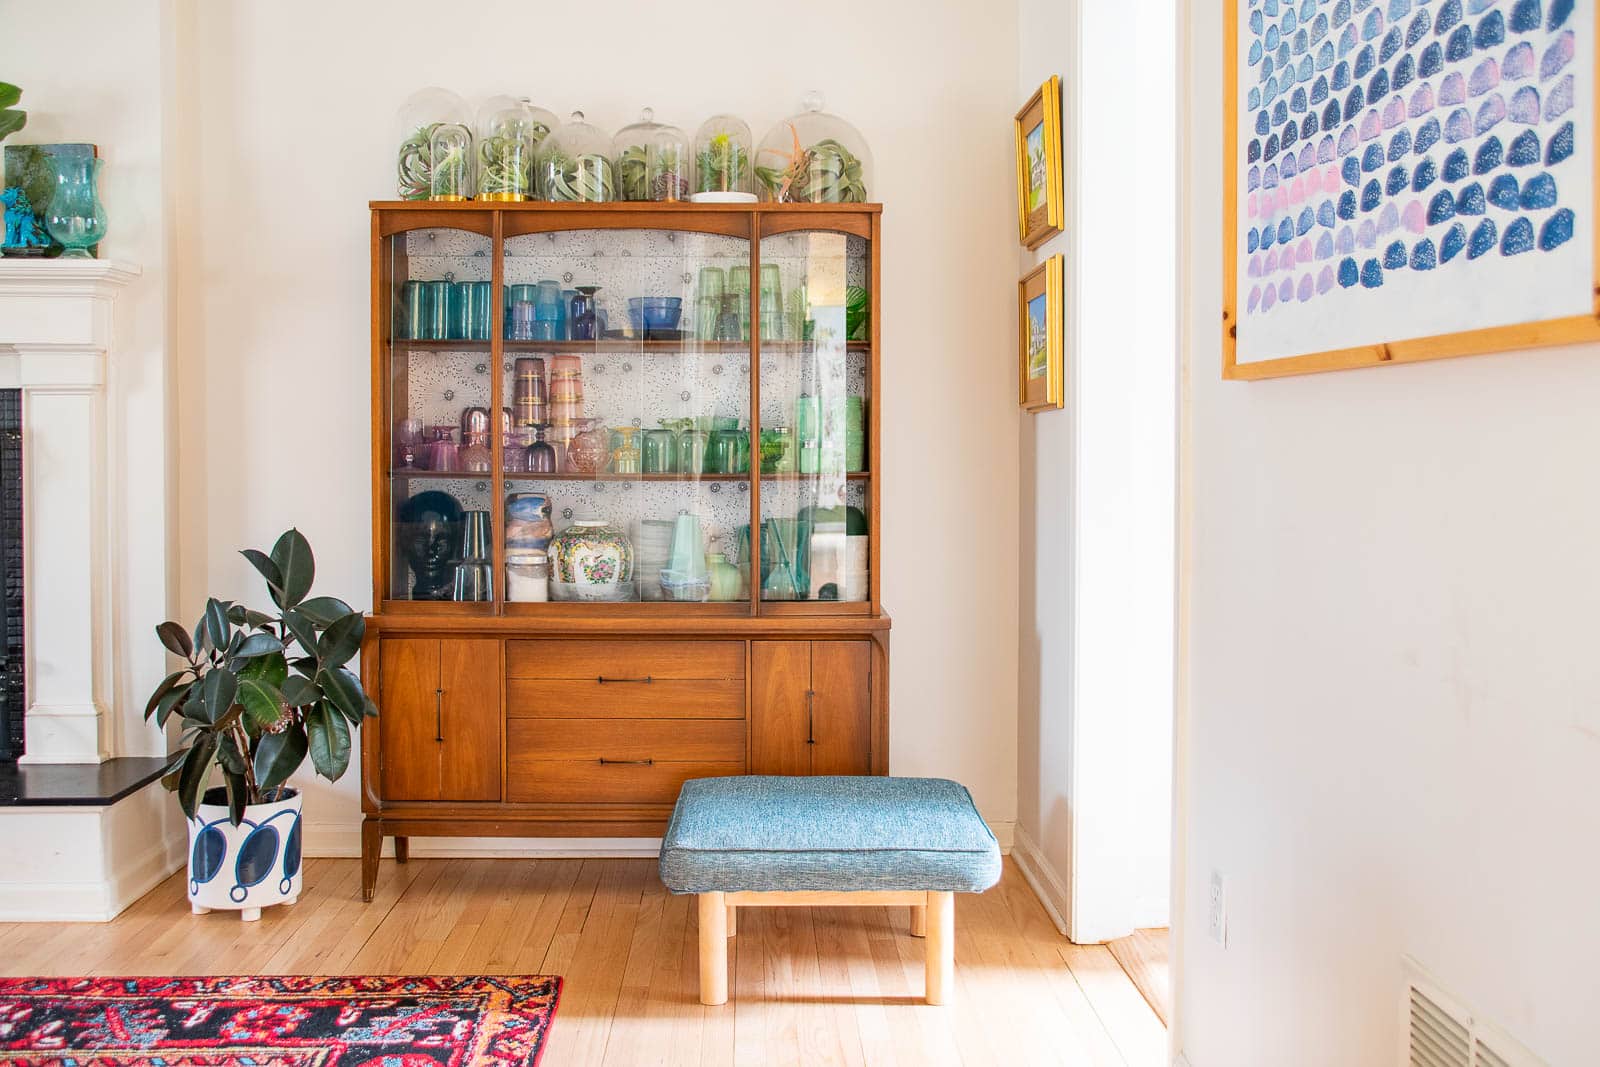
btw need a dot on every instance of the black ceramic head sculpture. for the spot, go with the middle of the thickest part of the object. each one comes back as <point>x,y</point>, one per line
<point>430,538</point>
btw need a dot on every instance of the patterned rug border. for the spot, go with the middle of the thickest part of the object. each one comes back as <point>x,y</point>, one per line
<point>509,1022</point>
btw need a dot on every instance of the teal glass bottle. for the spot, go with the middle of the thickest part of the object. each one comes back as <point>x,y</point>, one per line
<point>76,217</point>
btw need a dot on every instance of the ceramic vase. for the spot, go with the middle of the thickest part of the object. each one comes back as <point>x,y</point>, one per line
<point>247,867</point>
<point>591,560</point>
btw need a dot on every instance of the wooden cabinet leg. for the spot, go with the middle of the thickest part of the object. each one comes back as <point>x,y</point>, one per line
<point>940,949</point>
<point>919,920</point>
<point>402,849</point>
<point>371,846</point>
<point>713,949</point>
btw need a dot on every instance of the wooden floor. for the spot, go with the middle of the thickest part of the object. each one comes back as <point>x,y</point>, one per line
<point>808,986</point>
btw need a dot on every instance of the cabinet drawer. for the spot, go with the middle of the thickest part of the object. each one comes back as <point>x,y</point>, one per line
<point>590,698</point>
<point>661,740</point>
<point>559,762</point>
<point>657,660</point>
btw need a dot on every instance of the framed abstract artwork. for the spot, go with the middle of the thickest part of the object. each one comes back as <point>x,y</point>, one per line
<point>1040,332</point>
<point>1040,211</point>
<point>1407,180</point>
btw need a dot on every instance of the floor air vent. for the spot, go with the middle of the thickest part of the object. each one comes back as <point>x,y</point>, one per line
<point>1443,1032</point>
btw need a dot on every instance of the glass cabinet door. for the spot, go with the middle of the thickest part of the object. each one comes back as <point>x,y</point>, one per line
<point>815,388</point>
<point>627,452</point>
<point>438,402</point>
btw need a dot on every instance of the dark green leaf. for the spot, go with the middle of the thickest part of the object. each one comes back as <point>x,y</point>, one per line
<point>240,615</point>
<point>171,776</point>
<point>330,742</point>
<point>306,665</point>
<point>341,641</point>
<point>217,691</point>
<point>262,702</point>
<point>278,756</point>
<point>10,95</point>
<point>292,555</point>
<point>302,627</point>
<point>257,645</point>
<point>202,640</point>
<point>238,796</point>
<point>324,610</point>
<point>196,768</point>
<point>11,120</point>
<point>172,700</point>
<point>267,569</point>
<point>168,684</point>
<point>217,626</point>
<point>371,710</point>
<point>344,689</point>
<point>228,754</point>
<point>299,691</point>
<point>271,669</point>
<point>176,639</point>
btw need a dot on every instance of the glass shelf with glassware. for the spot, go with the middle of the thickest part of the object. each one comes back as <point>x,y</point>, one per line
<point>595,434</point>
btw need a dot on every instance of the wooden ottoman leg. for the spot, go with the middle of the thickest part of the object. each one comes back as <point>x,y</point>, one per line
<point>713,949</point>
<point>919,920</point>
<point>402,849</point>
<point>371,846</point>
<point>940,949</point>
<point>733,921</point>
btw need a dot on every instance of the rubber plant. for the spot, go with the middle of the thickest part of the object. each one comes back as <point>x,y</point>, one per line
<point>12,118</point>
<point>259,691</point>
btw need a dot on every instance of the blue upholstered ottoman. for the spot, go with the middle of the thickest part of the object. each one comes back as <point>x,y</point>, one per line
<point>770,841</point>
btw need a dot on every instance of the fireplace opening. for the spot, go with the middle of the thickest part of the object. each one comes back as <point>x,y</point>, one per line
<point>12,702</point>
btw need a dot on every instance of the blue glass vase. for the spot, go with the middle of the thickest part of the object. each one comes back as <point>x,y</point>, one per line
<point>76,217</point>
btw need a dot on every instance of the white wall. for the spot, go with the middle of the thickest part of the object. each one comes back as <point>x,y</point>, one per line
<point>1395,693</point>
<point>113,93</point>
<point>1096,614</point>
<point>295,136</point>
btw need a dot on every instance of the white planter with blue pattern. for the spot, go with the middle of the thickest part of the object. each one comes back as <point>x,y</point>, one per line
<point>247,867</point>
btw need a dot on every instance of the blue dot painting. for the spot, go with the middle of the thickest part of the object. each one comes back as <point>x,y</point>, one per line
<point>1409,169</point>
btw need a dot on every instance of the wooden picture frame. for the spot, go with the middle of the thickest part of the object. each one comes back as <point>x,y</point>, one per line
<point>1041,345</point>
<point>1040,210</point>
<point>1579,324</point>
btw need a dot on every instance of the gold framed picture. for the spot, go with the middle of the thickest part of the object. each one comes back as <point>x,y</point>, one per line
<point>1040,212</point>
<point>1041,344</point>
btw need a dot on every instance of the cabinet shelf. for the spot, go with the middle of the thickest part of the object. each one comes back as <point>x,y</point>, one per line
<point>688,346</point>
<point>470,476</point>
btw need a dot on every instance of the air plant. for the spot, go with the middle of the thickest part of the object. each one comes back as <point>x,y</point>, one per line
<point>825,173</point>
<point>587,177</point>
<point>721,166</point>
<point>646,175</point>
<point>416,163</point>
<point>503,164</point>
<point>452,167</point>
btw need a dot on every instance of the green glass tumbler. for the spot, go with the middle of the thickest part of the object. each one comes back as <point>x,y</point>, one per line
<point>693,452</point>
<point>660,452</point>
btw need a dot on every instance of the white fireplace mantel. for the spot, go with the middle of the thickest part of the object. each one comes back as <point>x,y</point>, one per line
<point>55,338</point>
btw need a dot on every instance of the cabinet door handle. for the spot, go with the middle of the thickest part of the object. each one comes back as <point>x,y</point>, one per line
<point>438,714</point>
<point>811,716</point>
<point>603,680</point>
<point>638,762</point>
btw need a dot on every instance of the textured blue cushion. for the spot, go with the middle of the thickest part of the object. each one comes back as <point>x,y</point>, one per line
<point>757,833</point>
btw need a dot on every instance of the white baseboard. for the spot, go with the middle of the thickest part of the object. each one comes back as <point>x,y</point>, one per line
<point>1046,884</point>
<point>1180,1060</point>
<point>343,841</point>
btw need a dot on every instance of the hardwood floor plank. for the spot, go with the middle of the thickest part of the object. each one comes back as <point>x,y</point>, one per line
<point>1144,954</point>
<point>809,986</point>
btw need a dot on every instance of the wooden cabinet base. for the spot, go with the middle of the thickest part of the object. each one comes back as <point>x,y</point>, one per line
<point>524,731</point>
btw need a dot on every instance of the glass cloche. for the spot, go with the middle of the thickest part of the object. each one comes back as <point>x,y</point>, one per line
<point>575,164</point>
<point>450,174</point>
<point>423,111</point>
<point>508,134</point>
<point>652,160</point>
<point>722,161</point>
<point>814,158</point>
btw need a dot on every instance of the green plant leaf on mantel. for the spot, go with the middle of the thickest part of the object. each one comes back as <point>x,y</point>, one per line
<point>11,118</point>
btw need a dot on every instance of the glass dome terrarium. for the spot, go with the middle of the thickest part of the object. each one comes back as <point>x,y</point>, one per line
<point>508,134</point>
<point>450,175</point>
<point>814,158</point>
<point>652,160</point>
<point>722,161</point>
<point>575,164</point>
<point>418,118</point>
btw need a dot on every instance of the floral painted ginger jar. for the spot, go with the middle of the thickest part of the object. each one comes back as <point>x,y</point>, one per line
<point>247,867</point>
<point>591,560</point>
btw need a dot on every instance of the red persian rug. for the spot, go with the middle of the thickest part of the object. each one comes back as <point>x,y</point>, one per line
<point>360,1021</point>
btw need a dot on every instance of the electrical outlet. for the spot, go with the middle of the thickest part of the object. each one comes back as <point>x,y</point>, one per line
<point>1217,911</point>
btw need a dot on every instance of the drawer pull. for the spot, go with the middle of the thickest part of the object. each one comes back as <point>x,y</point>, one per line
<point>603,680</point>
<point>638,762</point>
<point>438,714</point>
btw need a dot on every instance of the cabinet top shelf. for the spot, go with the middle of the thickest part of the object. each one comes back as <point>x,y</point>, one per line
<point>684,347</point>
<point>617,207</point>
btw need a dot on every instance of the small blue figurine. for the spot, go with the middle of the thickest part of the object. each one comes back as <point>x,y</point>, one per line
<point>22,226</point>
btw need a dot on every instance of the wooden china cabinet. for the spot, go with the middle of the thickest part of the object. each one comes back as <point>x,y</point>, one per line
<point>501,714</point>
